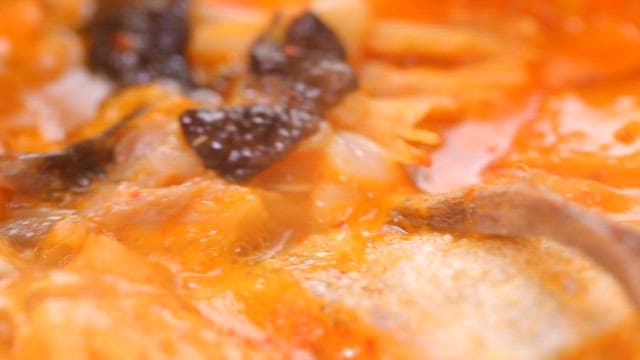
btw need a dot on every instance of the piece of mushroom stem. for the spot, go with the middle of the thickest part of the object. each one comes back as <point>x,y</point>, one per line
<point>45,175</point>
<point>525,210</point>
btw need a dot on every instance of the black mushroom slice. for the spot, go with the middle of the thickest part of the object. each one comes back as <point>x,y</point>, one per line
<point>310,61</point>
<point>139,41</point>
<point>241,141</point>
<point>524,210</point>
<point>48,175</point>
<point>301,74</point>
<point>311,37</point>
<point>306,39</point>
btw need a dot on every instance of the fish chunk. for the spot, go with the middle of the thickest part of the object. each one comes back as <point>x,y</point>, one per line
<point>525,210</point>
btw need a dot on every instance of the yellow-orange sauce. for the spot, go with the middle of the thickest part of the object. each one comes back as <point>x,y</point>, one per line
<point>167,260</point>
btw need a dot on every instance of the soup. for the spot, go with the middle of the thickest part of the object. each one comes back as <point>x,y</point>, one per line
<point>219,179</point>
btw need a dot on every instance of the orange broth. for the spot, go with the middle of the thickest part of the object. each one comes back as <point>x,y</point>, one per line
<point>164,265</point>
